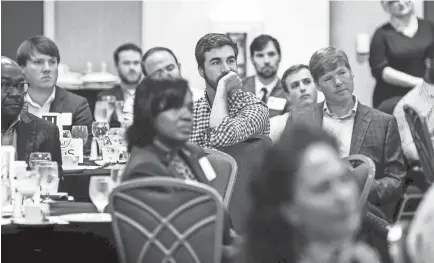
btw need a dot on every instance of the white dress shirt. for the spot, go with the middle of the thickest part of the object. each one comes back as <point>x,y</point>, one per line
<point>258,87</point>
<point>129,95</point>
<point>36,109</point>
<point>340,127</point>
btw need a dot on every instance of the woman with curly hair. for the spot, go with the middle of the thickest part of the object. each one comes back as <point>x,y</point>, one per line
<point>304,204</point>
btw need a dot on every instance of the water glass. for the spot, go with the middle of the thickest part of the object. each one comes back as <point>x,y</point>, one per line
<point>28,185</point>
<point>49,174</point>
<point>6,192</point>
<point>116,174</point>
<point>70,162</point>
<point>80,132</point>
<point>36,157</point>
<point>100,188</point>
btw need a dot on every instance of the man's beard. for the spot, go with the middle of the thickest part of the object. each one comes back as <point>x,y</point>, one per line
<point>271,74</point>
<point>125,80</point>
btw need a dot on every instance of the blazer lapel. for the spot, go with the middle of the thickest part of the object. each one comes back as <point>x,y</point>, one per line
<point>361,124</point>
<point>57,104</point>
<point>26,136</point>
<point>192,161</point>
<point>119,94</point>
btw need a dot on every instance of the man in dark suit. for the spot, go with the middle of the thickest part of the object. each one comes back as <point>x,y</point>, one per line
<point>26,132</point>
<point>127,59</point>
<point>39,59</point>
<point>265,55</point>
<point>358,128</point>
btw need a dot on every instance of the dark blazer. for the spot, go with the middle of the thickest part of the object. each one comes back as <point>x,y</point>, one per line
<point>119,94</point>
<point>278,91</point>
<point>147,161</point>
<point>375,135</point>
<point>66,101</point>
<point>37,135</point>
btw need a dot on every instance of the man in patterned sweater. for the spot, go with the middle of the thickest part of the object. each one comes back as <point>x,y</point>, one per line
<point>225,115</point>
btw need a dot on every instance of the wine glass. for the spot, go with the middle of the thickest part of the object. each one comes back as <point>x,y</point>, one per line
<point>100,188</point>
<point>49,174</point>
<point>99,130</point>
<point>28,184</point>
<point>80,132</point>
<point>116,173</point>
<point>6,192</point>
<point>110,104</point>
<point>117,131</point>
<point>119,108</point>
<point>36,157</point>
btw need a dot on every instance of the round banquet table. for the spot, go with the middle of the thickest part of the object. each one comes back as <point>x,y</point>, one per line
<point>74,242</point>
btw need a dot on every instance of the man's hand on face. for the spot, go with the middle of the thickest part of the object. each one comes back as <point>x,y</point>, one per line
<point>231,82</point>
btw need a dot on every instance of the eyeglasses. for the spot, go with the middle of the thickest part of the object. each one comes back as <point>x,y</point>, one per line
<point>21,87</point>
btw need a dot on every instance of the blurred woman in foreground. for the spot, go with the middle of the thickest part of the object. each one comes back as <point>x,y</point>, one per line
<point>305,204</point>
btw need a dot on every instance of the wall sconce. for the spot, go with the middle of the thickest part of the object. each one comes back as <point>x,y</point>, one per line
<point>363,42</point>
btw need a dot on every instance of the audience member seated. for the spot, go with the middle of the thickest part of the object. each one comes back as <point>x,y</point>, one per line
<point>358,128</point>
<point>299,83</point>
<point>23,130</point>
<point>127,60</point>
<point>420,238</point>
<point>265,55</point>
<point>396,51</point>
<point>157,139</point>
<point>39,59</point>
<point>300,215</point>
<point>226,115</point>
<point>421,98</point>
<point>160,63</point>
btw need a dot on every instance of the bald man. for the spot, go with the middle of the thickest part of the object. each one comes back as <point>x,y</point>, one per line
<point>26,132</point>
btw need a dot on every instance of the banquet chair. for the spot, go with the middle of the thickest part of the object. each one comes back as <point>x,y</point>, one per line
<point>226,169</point>
<point>422,140</point>
<point>248,154</point>
<point>363,166</point>
<point>167,220</point>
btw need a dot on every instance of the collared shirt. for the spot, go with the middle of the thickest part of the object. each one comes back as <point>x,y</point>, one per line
<point>341,127</point>
<point>258,87</point>
<point>9,136</point>
<point>421,98</point>
<point>247,116</point>
<point>129,95</point>
<point>36,109</point>
<point>174,162</point>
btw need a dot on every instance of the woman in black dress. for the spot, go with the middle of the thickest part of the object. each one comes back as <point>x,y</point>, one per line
<point>397,48</point>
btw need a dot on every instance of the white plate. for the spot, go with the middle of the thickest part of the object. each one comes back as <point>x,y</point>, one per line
<point>24,222</point>
<point>6,221</point>
<point>100,162</point>
<point>87,217</point>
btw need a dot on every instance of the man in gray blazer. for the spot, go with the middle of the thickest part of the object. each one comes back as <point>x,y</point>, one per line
<point>39,59</point>
<point>358,128</point>
<point>265,55</point>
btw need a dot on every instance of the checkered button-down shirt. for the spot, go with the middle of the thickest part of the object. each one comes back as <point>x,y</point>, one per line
<point>421,98</point>
<point>247,116</point>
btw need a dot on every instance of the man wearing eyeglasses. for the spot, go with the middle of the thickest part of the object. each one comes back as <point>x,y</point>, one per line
<point>26,132</point>
<point>39,59</point>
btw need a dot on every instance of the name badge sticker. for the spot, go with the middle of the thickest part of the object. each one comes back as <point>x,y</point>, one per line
<point>275,103</point>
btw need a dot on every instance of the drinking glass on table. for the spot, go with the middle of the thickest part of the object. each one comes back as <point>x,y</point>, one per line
<point>100,188</point>
<point>28,184</point>
<point>119,109</point>
<point>49,174</point>
<point>99,130</point>
<point>104,108</point>
<point>36,157</point>
<point>80,132</point>
<point>6,192</point>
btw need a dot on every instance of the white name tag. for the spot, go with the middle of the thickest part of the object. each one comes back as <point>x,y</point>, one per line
<point>72,146</point>
<point>207,168</point>
<point>66,119</point>
<point>275,103</point>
